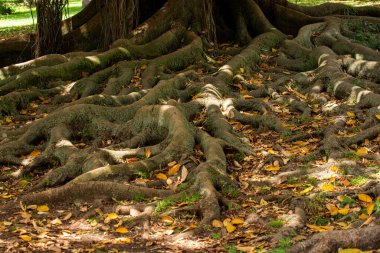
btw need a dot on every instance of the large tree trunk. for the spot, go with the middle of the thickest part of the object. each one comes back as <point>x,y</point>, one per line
<point>145,96</point>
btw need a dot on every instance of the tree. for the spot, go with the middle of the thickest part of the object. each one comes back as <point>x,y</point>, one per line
<point>145,96</point>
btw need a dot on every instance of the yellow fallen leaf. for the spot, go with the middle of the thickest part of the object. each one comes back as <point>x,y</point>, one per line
<point>306,190</point>
<point>26,238</point>
<point>272,168</point>
<point>237,221</point>
<point>263,202</point>
<point>332,208</point>
<point>241,70</point>
<point>23,183</point>
<point>362,151</point>
<point>334,168</point>
<point>377,116</point>
<point>121,230</point>
<point>350,250</point>
<point>112,216</point>
<point>327,187</point>
<point>147,152</point>
<point>247,96</point>
<point>123,240</point>
<point>161,176</point>
<point>217,224</point>
<point>35,153</point>
<point>351,114</point>
<point>230,228</point>
<point>370,208</point>
<point>320,228</point>
<point>344,225</point>
<point>343,211</point>
<point>43,208</point>
<point>173,170</point>
<point>345,182</point>
<point>365,198</point>
<point>363,216</point>
<point>167,219</point>
<point>8,119</point>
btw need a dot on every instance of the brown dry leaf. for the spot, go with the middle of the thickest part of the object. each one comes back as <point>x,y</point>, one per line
<point>25,215</point>
<point>43,208</point>
<point>161,176</point>
<point>184,173</point>
<point>263,202</point>
<point>56,222</point>
<point>327,187</point>
<point>67,216</point>
<point>173,170</point>
<point>121,230</point>
<point>217,224</point>
<point>332,208</point>
<point>345,182</point>
<point>167,219</point>
<point>365,198</point>
<point>26,238</point>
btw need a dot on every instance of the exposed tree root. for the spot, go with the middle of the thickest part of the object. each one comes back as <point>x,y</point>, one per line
<point>159,98</point>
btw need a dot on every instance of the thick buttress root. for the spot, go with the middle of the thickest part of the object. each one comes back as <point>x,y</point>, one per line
<point>145,106</point>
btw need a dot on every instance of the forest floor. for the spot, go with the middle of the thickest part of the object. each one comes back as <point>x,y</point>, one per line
<point>262,211</point>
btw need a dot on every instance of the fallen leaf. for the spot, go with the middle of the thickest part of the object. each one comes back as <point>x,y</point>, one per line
<point>237,221</point>
<point>217,224</point>
<point>147,152</point>
<point>365,198</point>
<point>112,216</point>
<point>272,168</point>
<point>362,151</point>
<point>43,208</point>
<point>332,208</point>
<point>121,230</point>
<point>167,219</point>
<point>351,250</point>
<point>26,238</point>
<point>351,114</point>
<point>334,168</point>
<point>320,228</point>
<point>230,228</point>
<point>363,216</point>
<point>350,122</point>
<point>173,170</point>
<point>161,176</point>
<point>67,216</point>
<point>343,211</point>
<point>35,153</point>
<point>306,190</point>
<point>247,96</point>
<point>327,187</point>
<point>56,222</point>
<point>377,116</point>
<point>370,208</point>
<point>263,202</point>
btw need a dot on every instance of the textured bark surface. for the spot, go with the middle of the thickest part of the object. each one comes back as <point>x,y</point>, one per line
<point>163,94</point>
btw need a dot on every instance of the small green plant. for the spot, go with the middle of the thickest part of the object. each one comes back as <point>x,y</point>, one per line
<point>350,154</point>
<point>142,174</point>
<point>191,199</point>
<point>359,180</point>
<point>312,181</point>
<point>232,249</point>
<point>310,158</point>
<point>265,190</point>
<point>216,236</point>
<point>230,191</point>
<point>238,157</point>
<point>303,167</point>
<point>285,242</point>
<point>292,180</point>
<point>277,250</point>
<point>138,197</point>
<point>377,206</point>
<point>164,204</point>
<point>276,223</point>
<point>347,200</point>
<point>320,221</point>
